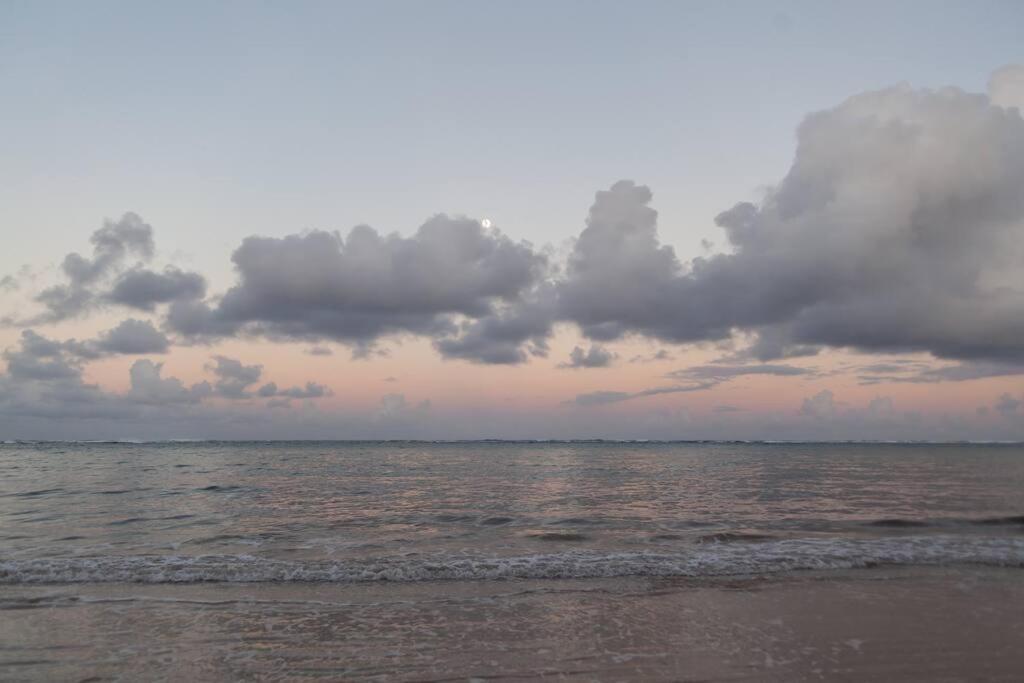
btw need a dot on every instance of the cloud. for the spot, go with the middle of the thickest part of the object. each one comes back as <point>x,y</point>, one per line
<point>599,398</point>
<point>899,227</point>
<point>148,387</point>
<point>44,381</point>
<point>1007,405</point>
<point>723,373</point>
<point>507,336</point>
<point>1006,86</point>
<point>596,398</point>
<point>821,406</point>
<point>659,355</point>
<point>235,381</point>
<point>319,351</point>
<point>234,378</point>
<point>132,337</point>
<point>773,343</point>
<point>39,358</point>
<point>700,378</point>
<point>43,386</point>
<point>311,390</point>
<point>395,407</point>
<point>144,289</point>
<point>595,357</point>
<point>318,286</point>
<point>112,244</point>
<point>918,372</point>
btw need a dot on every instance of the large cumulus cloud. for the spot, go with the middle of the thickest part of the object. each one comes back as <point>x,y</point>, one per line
<point>899,227</point>
<point>359,288</point>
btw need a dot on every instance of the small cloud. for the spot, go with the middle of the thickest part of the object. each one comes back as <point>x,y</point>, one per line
<point>596,357</point>
<point>820,406</point>
<point>319,351</point>
<point>234,378</point>
<point>133,336</point>
<point>598,398</point>
<point>659,355</point>
<point>719,373</point>
<point>395,406</point>
<point>1006,405</point>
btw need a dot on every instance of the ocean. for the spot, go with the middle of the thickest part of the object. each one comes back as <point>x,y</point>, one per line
<point>454,561</point>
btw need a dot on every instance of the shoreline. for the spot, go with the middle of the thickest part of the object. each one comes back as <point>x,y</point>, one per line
<point>891,623</point>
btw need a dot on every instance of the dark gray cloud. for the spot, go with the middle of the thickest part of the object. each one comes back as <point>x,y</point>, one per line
<point>698,378</point>
<point>507,336</point>
<point>723,373</point>
<point>150,388</point>
<point>311,390</point>
<point>132,337</point>
<point>356,290</point>
<point>595,357</point>
<point>235,381</point>
<point>144,289</point>
<point>234,378</point>
<point>44,382</point>
<point>319,351</point>
<point>39,358</point>
<point>112,245</point>
<point>659,355</point>
<point>774,343</point>
<point>603,397</point>
<point>596,398</point>
<point>919,372</point>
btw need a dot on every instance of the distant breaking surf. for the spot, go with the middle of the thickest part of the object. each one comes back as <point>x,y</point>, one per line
<point>705,560</point>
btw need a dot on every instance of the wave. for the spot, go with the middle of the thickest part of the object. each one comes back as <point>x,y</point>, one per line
<point>707,560</point>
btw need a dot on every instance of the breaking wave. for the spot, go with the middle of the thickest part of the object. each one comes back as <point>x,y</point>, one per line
<point>704,560</point>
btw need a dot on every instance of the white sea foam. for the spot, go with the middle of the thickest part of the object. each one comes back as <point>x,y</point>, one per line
<point>708,560</point>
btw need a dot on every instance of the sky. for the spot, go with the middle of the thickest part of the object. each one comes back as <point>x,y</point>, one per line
<point>451,220</point>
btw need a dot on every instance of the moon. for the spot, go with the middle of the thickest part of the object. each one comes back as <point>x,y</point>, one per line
<point>486,222</point>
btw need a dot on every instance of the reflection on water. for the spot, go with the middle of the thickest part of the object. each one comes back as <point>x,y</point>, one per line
<point>213,561</point>
<point>352,500</point>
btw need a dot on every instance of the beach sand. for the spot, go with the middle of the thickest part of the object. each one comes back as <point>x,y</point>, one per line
<point>908,624</point>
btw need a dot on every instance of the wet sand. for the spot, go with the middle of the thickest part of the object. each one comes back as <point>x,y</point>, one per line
<point>879,624</point>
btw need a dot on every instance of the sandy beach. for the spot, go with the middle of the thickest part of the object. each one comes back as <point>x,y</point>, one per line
<point>875,624</point>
